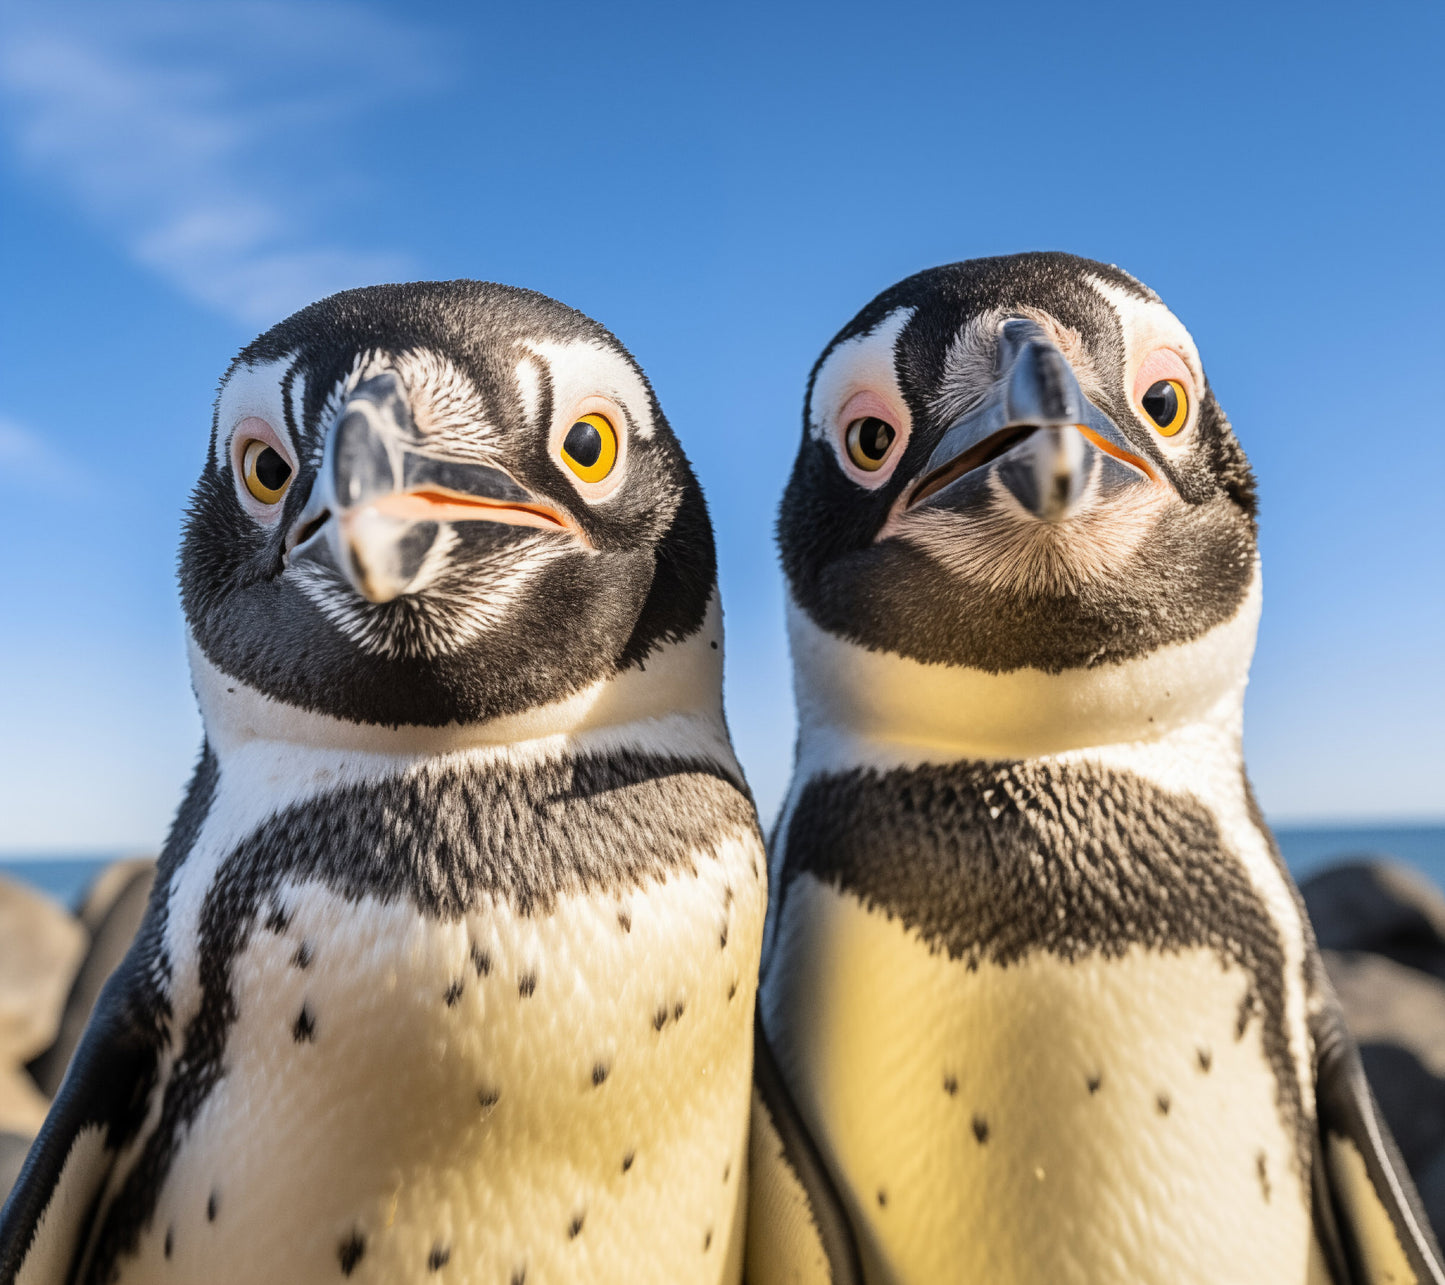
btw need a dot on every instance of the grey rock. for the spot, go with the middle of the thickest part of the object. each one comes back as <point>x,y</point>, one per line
<point>1379,906</point>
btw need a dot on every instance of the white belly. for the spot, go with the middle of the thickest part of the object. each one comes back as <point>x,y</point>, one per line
<point>1091,1122</point>
<point>576,1112</point>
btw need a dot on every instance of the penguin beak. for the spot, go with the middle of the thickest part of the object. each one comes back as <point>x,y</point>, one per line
<point>1044,441</point>
<point>378,504</point>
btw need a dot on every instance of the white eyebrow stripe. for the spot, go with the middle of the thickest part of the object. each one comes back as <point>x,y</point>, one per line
<point>864,361</point>
<point>584,367</point>
<point>252,390</point>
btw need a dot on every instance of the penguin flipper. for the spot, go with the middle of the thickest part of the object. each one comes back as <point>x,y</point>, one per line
<point>798,1230</point>
<point>45,1222</point>
<point>1380,1227</point>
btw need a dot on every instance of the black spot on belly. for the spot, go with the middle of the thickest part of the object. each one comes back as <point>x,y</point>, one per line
<point>950,1085</point>
<point>659,1018</point>
<point>439,1257</point>
<point>350,1252</point>
<point>677,1011</point>
<point>1095,1082</point>
<point>625,920</point>
<point>212,1205</point>
<point>303,1030</point>
<point>481,960</point>
<point>488,1098</point>
<point>574,1228</point>
<point>1261,1170</point>
<point>1248,1005</point>
<point>527,985</point>
<point>980,1129</point>
<point>707,1240</point>
<point>302,957</point>
<point>1162,1102</point>
<point>454,992</point>
<point>733,989</point>
<point>722,940</point>
<point>882,1198</point>
<point>599,1073</point>
<point>627,1160</point>
<point>170,1240</point>
<point>1206,1059</point>
<point>519,1277</point>
<point>727,1171</point>
<point>279,918</point>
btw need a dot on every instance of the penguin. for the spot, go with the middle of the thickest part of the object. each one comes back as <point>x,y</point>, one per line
<point>449,967</point>
<point>1039,1001</point>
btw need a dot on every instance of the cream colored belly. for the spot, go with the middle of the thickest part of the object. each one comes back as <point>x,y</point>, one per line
<point>576,1112</point>
<point>1092,1122</point>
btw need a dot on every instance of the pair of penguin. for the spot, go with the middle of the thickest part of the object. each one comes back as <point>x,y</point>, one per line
<point>450,970</point>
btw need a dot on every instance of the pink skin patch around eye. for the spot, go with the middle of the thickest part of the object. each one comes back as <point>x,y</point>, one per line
<point>863,405</point>
<point>1162,363</point>
<point>248,430</point>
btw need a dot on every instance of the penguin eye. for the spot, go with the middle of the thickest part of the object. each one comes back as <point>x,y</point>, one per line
<point>265,471</point>
<point>870,441</point>
<point>590,448</point>
<point>1167,403</point>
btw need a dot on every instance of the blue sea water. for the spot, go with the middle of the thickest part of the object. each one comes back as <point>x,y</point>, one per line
<point>1306,848</point>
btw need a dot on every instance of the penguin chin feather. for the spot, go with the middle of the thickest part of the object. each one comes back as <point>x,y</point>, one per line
<point>1001,548</point>
<point>457,604</point>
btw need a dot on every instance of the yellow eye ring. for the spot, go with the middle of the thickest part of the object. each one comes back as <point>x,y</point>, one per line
<point>590,447</point>
<point>870,442</point>
<point>265,471</point>
<point>1166,402</point>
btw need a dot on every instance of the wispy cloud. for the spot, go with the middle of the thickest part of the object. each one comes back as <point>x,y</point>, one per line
<point>202,135</point>
<point>27,459</point>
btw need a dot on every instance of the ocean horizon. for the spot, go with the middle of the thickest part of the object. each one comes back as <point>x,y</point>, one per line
<point>1306,849</point>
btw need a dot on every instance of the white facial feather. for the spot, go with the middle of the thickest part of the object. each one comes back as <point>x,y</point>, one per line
<point>463,603</point>
<point>969,375</point>
<point>998,544</point>
<point>866,361</point>
<point>254,390</point>
<point>586,367</point>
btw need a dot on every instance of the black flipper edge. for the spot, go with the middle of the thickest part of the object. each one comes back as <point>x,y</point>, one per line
<point>801,1154</point>
<point>1347,1112</point>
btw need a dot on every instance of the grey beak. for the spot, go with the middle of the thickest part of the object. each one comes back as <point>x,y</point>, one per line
<point>1029,433</point>
<point>371,454</point>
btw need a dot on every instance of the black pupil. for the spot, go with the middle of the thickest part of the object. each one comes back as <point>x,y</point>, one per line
<point>584,443</point>
<point>1161,403</point>
<point>875,436</point>
<point>271,470</point>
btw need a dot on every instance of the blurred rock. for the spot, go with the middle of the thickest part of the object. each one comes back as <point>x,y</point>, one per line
<point>40,949</point>
<point>13,1149</point>
<point>117,879</point>
<point>112,908</point>
<point>1381,907</point>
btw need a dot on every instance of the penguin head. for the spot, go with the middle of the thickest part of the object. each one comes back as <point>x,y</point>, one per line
<point>1017,463</point>
<point>439,503</point>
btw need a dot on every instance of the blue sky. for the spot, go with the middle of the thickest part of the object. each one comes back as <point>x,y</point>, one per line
<point>723,187</point>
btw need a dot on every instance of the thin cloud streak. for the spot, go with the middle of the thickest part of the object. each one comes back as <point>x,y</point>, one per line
<point>179,128</point>
<point>27,460</point>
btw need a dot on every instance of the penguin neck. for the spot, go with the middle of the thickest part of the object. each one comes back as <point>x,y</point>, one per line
<point>861,707</point>
<point>671,705</point>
